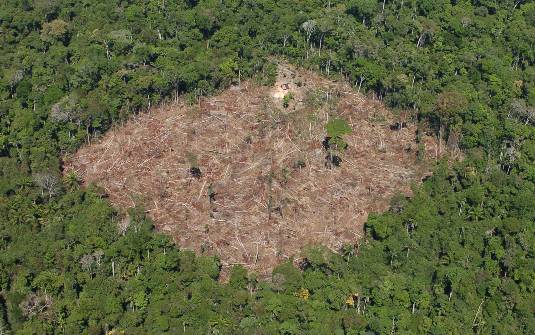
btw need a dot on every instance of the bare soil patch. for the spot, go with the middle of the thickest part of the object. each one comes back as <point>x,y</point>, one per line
<point>240,176</point>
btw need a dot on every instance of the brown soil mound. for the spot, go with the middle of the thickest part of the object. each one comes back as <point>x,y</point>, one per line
<point>262,190</point>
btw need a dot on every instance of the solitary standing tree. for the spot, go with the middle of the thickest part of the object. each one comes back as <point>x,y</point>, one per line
<point>308,27</point>
<point>48,183</point>
<point>334,142</point>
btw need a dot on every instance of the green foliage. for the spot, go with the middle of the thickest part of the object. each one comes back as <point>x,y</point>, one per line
<point>336,128</point>
<point>286,99</point>
<point>457,258</point>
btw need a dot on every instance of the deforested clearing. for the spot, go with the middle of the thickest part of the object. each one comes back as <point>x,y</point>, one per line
<point>246,175</point>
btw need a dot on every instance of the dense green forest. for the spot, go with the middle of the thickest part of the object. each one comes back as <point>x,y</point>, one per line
<point>456,258</point>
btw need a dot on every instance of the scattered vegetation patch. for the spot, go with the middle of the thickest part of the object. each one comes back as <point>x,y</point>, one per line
<point>286,99</point>
<point>334,143</point>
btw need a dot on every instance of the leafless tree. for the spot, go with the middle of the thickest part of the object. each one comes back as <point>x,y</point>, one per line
<point>16,78</point>
<point>98,256</point>
<point>466,21</point>
<point>66,110</point>
<point>48,183</point>
<point>285,38</point>
<point>308,27</point>
<point>87,262</point>
<point>428,29</point>
<point>517,2</point>
<point>36,305</point>
<point>122,226</point>
<point>509,154</point>
<point>522,112</point>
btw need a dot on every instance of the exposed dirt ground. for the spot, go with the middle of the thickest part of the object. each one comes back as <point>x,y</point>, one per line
<point>264,191</point>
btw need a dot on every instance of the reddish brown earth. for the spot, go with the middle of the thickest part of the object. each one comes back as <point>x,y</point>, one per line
<point>265,191</point>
